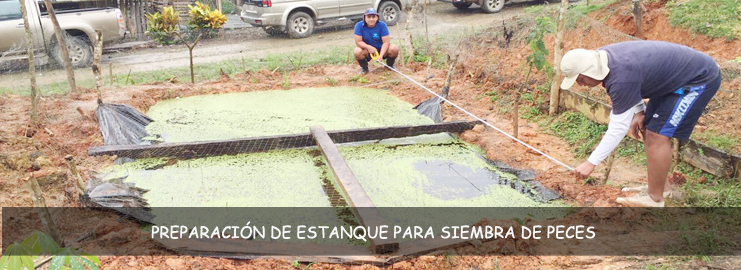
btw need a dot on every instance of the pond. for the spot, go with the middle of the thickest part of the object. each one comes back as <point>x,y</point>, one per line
<point>425,171</point>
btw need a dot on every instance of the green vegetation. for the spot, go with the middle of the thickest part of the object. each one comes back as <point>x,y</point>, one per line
<point>578,131</point>
<point>713,18</point>
<point>22,255</point>
<point>583,9</point>
<point>275,61</point>
<point>632,149</point>
<point>723,142</point>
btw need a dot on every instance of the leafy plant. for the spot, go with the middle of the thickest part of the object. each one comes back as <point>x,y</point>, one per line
<point>22,255</point>
<point>331,81</point>
<point>204,19</point>
<point>286,82</point>
<point>536,59</point>
<point>161,25</point>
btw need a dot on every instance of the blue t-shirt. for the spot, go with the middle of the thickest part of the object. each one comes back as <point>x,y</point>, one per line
<point>372,35</point>
<point>646,69</point>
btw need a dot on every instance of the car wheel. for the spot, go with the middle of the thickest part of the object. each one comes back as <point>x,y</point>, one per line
<point>275,31</point>
<point>80,52</point>
<point>491,6</point>
<point>300,25</point>
<point>462,5</point>
<point>390,12</point>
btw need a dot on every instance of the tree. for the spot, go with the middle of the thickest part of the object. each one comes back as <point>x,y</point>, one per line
<point>62,46</point>
<point>557,54</point>
<point>31,64</point>
<point>163,26</point>
<point>535,60</point>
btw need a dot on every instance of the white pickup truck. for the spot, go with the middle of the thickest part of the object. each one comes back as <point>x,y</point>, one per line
<point>79,24</point>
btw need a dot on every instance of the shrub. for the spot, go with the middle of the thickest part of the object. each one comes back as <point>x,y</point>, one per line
<point>205,20</point>
<point>161,25</point>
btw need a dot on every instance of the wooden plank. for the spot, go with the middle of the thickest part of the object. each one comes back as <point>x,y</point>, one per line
<point>267,143</point>
<point>708,159</point>
<point>701,156</point>
<point>592,109</point>
<point>361,203</point>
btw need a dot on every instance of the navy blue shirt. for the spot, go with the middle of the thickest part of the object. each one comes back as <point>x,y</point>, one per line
<point>372,35</point>
<point>646,69</point>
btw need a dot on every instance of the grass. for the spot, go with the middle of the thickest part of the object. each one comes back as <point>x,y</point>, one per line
<point>275,61</point>
<point>578,131</point>
<point>723,142</point>
<point>713,18</point>
<point>632,149</point>
<point>583,9</point>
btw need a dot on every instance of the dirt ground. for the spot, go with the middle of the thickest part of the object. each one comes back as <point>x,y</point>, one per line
<point>68,127</point>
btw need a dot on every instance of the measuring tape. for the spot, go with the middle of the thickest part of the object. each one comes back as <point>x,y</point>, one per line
<point>474,116</point>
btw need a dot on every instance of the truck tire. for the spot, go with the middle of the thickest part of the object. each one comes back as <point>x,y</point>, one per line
<point>80,52</point>
<point>462,5</point>
<point>300,25</point>
<point>389,12</point>
<point>275,31</point>
<point>491,6</point>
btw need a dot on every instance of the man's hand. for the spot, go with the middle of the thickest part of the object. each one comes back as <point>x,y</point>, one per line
<point>584,170</point>
<point>371,50</point>
<point>636,126</point>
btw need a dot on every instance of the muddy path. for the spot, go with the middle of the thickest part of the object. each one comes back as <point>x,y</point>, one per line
<point>255,43</point>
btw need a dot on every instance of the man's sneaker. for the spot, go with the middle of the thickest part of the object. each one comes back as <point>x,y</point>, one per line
<point>644,190</point>
<point>363,70</point>
<point>639,201</point>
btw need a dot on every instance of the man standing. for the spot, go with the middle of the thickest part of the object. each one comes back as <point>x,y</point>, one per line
<point>678,81</point>
<point>372,37</point>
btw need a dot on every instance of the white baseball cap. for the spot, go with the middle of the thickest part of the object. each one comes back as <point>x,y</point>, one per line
<point>591,63</point>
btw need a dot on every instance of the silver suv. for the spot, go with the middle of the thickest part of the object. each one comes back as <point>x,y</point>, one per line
<point>298,17</point>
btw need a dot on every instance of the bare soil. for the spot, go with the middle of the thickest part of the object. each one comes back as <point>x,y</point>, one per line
<point>68,127</point>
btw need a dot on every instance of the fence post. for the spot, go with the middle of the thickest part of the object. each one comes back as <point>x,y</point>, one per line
<point>638,16</point>
<point>557,52</point>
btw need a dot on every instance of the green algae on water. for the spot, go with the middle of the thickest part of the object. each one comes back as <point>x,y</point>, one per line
<point>278,112</point>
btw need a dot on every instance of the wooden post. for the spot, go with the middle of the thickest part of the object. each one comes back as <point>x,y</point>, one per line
<point>31,64</point>
<point>557,54</point>
<point>638,16</point>
<point>675,154</point>
<point>515,110</point>
<point>97,69</point>
<point>39,205</point>
<point>361,203</point>
<point>608,167</point>
<point>411,39</point>
<point>62,46</point>
<point>401,40</point>
<point>218,4</point>
<point>427,33</point>
<point>110,73</point>
<point>76,174</point>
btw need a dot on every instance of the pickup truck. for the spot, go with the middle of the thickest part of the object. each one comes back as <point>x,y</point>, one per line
<point>298,17</point>
<point>487,6</point>
<point>79,25</point>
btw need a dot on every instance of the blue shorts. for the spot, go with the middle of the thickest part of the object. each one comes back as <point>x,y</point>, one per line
<point>676,114</point>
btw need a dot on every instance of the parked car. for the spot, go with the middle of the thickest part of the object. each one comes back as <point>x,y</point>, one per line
<point>298,17</point>
<point>488,6</point>
<point>79,25</point>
